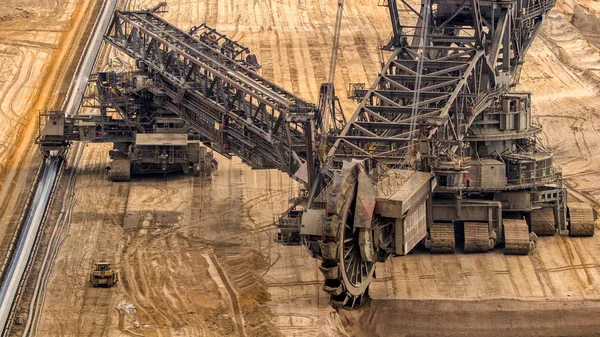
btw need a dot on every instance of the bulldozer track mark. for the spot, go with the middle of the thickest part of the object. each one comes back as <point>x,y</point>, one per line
<point>49,47</point>
<point>141,294</point>
<point>570,267</point>
<point>232,294</point>
<point>99,302</point>
<point>580,249</point>
<point>541,274</point>
<point>14,79</point>
<point>29,60</point>
<point>580,174</point>
<point>490,283</point>
<point>522,272</point>
<point>569,257</point>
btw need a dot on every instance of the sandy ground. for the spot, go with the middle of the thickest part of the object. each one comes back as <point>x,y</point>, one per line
<point>30,33</point>
<point>38,51</point>
<point>563,72</point>
<point>496,317</point>
<point>202,263</point>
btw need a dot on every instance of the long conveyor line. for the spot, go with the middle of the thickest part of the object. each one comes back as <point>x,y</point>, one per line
<point>20,260</point>
<point>27,238</point>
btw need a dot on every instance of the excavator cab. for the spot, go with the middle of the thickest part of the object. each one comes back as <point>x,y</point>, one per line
<point>103,266</point>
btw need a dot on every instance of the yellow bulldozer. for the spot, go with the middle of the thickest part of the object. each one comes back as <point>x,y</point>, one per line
<point>103,275</point>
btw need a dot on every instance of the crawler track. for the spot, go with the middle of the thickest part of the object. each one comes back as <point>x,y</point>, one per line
<point>516,234</point>
<point>16,273</point>
<point>442,238</point>
<point>477,238</point>
<point>542,222</point>
<point>582,219</point>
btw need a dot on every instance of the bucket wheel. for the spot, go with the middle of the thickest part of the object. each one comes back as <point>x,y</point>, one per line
<point>347,274</point>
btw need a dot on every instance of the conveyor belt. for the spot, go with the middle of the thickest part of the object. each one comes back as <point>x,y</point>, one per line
<point>31,226</point>
<point>22,261</point>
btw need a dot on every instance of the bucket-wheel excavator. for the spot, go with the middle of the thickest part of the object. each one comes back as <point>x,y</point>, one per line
<point>441,151</point>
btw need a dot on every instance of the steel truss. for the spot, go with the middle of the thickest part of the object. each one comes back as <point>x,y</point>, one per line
<point>236,109</point>
<point>443,72</point>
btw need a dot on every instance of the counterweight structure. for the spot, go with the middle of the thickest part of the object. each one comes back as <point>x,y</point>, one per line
<point>440,152</point>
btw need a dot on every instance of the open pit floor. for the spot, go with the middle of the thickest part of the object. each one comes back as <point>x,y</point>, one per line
<point>202,262</point>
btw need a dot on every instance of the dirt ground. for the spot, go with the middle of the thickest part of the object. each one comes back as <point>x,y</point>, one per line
<point>30,37</point>
<point>201,261</point>
<point>496,317</point>
<point>39,43</point>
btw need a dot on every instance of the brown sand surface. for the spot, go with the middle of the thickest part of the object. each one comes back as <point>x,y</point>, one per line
<point>40,43</point>
<point>202,262</point>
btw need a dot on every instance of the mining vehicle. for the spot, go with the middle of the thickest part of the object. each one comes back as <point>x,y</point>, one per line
<point>103,275</point>
<point>441,152</point>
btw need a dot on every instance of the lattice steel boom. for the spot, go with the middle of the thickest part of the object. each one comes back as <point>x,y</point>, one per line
<point>239,111</point>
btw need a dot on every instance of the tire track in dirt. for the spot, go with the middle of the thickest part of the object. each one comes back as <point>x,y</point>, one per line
<point>588,262</point>
<point>523,272</point>
<point>307,87</point>
<point>23,82</point>
<point>153,302</point>
<point>320,53</point>
<point>572,259</point>
<point>267,49</point>
<point>233,295</point>
<point>164,246</point>
<point>580,195</point>
<point>96,299</point>
<point>542,274</point>
<point>212,12</point>
<point>9,85</point>
<point>134,274</point>
<point>16,121</point>
<point>49,47</point>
